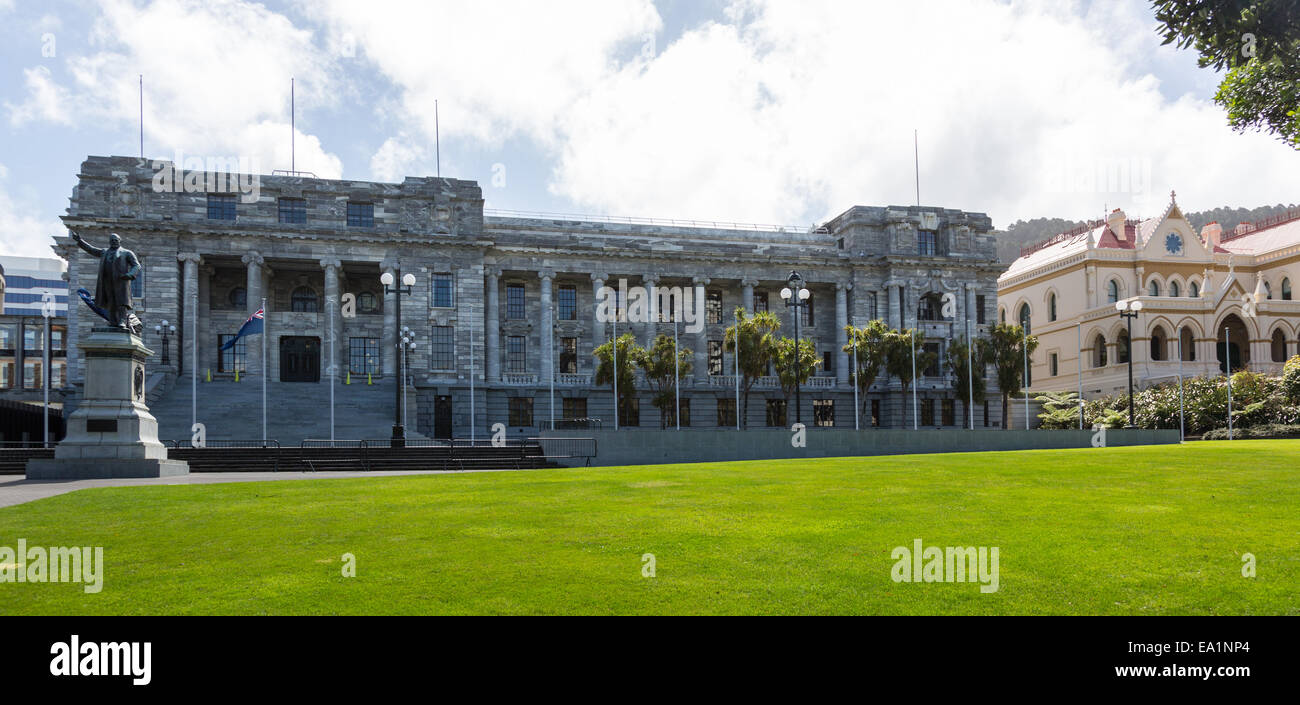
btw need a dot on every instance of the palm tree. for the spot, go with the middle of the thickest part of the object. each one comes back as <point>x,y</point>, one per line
<point>663,375</point>
<point>872,347</point>
<point>793,368</point>
<point>961,379</point>
<point>905,353</point>
<point>757,344</point>
<point>628,352</point>
<point>1007,350</point>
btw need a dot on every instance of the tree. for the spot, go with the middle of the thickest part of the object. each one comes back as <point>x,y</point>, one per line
<point>663,376</point>
<point>1258,42</point>
<point>794,368</point>
<point>628,352</point>
<point>904,353</point>
<point>872,346</point>
<point>757,335</point>
<point>1006,350</point>
<point>961,377</point>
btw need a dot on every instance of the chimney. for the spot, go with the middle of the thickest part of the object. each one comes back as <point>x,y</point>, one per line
<point>1243,228</point>
<point>1116,221</point>
<point>1212,234</point>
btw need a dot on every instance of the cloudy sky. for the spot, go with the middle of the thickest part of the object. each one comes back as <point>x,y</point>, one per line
<point>765,111</point>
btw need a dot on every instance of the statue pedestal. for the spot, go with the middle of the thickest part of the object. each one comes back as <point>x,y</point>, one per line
<point>111,434</point>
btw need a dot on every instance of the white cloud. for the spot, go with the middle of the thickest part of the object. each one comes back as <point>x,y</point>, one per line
<point>46,101</point>
<point>23,234</point>
<point>216,80</point>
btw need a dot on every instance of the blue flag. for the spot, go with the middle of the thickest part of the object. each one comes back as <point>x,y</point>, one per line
<point>90,301</point>
<point>252,326</point>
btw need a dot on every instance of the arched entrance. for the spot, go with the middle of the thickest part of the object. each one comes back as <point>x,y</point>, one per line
<point>1238,347</point>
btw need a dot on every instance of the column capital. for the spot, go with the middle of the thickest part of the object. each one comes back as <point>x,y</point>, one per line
<point>700,281</point>
<point>252,257</point>
<point>843,286</point>
<point>330,263</point>
<point>748,281</point>
<point>545,274</point>
<point>651,278</point>
<point>494,272</point>
<point>188,257</point>
<point>599,277</point>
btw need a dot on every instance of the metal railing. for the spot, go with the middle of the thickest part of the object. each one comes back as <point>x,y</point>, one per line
<point>558,448</point>
<point>671,222</point>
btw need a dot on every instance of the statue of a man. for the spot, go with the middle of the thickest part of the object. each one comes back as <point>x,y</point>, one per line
<point>118,267</point>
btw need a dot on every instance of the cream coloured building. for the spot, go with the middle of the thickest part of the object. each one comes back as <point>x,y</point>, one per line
<point>1195,289</point>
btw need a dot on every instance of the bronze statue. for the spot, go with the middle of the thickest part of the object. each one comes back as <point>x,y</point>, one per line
<point>118,267</point>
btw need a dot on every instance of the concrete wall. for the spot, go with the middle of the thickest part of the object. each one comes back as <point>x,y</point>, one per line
<point>645,447</point>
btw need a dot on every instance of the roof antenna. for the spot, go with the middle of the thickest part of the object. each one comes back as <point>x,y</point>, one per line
<point>293,129</point>
<point>437,139</point>
<point>916,153</point>
<point>142,116</point>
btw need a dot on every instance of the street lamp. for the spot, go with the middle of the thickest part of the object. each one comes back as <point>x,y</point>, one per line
<point>408,284</point>
<point>406,345</point>
<point>165,330</point>
<point>1129,309</point>
<point>796,297</point>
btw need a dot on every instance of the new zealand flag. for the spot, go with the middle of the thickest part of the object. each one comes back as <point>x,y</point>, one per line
<point>252,326</point>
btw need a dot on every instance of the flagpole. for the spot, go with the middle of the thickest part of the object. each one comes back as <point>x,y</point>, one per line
<point>45,371</point>
<point>333,364</point>
<point>970,367</point>
<point>614,351</point>
<point>916,419</point>
<point>738,409</point>
<point>1078,343</point>
<point>1182,422</point>
<point>1227,367</point>
<point>677,373</point>
<point>472,421</point>
<point>1024,347</point>
<point>857,425</point>
<point>265,365</point>
<point>194,362</point>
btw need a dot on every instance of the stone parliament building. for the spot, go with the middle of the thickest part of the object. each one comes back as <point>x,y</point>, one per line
<point>484,282</point>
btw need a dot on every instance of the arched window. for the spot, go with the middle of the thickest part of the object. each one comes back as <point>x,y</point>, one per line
<point>1121,348</point>
<point>1099,351</point>
<point>1194,290</point>
<point>1158,343</point>
<point>1286,289</point>
<point>1112,290</point>
<point>1002,315</point>
<point>1279,346</point>
<point>1175,290</point>
<point>930,308</point>
<point>238,297</point>
<point>1153,289</point>
<point>304,300</point>
<point>366,302</point>
<point>1188,344</point>
<point>1024,317</point>
<point>1051,307</point>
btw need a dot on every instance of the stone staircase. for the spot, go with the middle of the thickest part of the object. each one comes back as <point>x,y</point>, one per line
<point>294,410</point>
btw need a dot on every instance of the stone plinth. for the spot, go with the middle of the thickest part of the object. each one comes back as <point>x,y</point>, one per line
<point>112,434</point>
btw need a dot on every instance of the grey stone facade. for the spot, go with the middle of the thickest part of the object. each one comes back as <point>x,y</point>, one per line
<point>865,263</point>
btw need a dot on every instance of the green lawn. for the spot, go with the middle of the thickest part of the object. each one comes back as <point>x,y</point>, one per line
<point>1155,530</point>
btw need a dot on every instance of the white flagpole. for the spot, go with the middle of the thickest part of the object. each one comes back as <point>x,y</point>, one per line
<point>1024,347</point>
<point>333,363</point>
<point>550,342</point>
<point>1078,357</point>
<point>45,371</point>
<point>266,365</point>
<point>916,420</point>
<point>1227,366</point>
<point>739,411</point>
<point>857,422</point>
<point>970,368</point>
<point>677,374</point>
<point>614,353</point>
<point>1182,420</point>
<point>194,362</point>
<point>472,421</point>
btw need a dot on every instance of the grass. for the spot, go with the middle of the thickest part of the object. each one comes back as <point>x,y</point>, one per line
<point>1140,530</point>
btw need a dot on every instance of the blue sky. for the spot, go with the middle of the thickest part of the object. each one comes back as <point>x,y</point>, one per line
<point>768,111</point>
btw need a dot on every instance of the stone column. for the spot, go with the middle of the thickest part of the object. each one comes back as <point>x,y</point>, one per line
<point>841,336</point>
<point>747,294</point>
<point>701,346</point>
<point>492,346</point>
<point>185,348</point>
<point>652,327</point>
<point>333,316</point>
<point>891,288</point>
<point>598,327</point>
<point>546,341</point>
<point>253,288</point>
<point>388,342</point>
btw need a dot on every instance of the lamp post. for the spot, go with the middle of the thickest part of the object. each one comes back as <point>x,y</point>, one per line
<point>796,297</point>
<point>166,330</point>
<point>406,287</point>
<point>407,344</point>
<point>1129,309</point>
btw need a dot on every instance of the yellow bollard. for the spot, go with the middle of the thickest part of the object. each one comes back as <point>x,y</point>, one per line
<point>236,374</point>
<point>348,380</point>
<point>209,374</point>
<point>369,381</point>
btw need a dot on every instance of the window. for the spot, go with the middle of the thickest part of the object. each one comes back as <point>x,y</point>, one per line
<point>979,308</point>
<point>293,210</point>
<point>875,413</point>
<point>927,412</point>
<point>631,415</point>
<point>32,373</point>
<point>568,356</point>
<point>1051,307</point>
<point>232,360</point>
<point>1188,343</point>
<point>1112,291</point>
<point>516,354</point>
<point>33,342</point>
<point>1158,341</point>
<point>986,414</point>
<point>367,303</point>
<point>221,206</point>
<point>238,297</point>
<point>361,215</point>
<point>925,242</point>
<point>715,357</point>
<point>760,301</point>
<point>1121,348</point>
<point>568,308</point>
<point>574,407</point>
<point>929,308</point>
<point>1175,290</point>
<point>443,294</point>
<point>871,305</point>
<point>303,300</point>
<point>1002,315</point>
<point>1024,318</point>
<point>726,412</point>
<point>828,361</point>
<point>442,348</point>
<point>137,285</point>
<point>684,409</point>
<point>58,339</point>
<point>713,307</point>
<point>776,412</point>
<point>948,411</point>
<point>1053,367</point>
<point>1153,289</point>
<point>824,412</point>
<point>1286,289</point>
<point>514,301</point>
<point>521,411</point>
<point>1099,351</point>
<point>1194,290</point>
<point>1279,346</point>
<point>932,369</point>
<point>363,356</point>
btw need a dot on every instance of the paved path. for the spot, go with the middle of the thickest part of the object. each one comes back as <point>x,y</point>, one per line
<point>15,489</point>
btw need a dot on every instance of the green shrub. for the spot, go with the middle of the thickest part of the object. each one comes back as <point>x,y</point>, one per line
<point>1291,379</point>
<point>1264,431</point>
